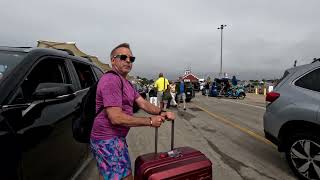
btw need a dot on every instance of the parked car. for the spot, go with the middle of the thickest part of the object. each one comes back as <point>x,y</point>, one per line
<point>41,90</point>
<point>292,119</point>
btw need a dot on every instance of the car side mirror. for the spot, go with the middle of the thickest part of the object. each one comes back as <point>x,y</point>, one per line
<point>52,90</point>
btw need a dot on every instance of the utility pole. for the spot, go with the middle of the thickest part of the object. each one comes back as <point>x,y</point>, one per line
<point>221,28</point>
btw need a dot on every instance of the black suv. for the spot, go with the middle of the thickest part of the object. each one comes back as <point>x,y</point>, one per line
<point>41,90</point>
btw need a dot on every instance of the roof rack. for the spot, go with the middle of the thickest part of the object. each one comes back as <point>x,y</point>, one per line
<point>22,47</point>
<point>67,51</point>
<point>87,57</point>
<point>315,60</point>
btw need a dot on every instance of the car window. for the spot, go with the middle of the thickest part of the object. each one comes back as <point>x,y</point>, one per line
<point>85,74</point>
<point>49,70</point>
<point>286,73</point>
<point>310,81</point>
<point>98,72</point>
<point>9,60</point>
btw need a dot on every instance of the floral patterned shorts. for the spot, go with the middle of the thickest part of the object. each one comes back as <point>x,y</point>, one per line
<point>112,157</point>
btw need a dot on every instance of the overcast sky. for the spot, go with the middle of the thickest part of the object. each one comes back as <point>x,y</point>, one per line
<point>261,40</point>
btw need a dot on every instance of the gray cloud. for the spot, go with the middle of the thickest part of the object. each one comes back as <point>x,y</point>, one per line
<point>262,38</point>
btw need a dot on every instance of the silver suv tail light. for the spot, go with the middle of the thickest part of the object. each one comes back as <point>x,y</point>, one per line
<point>272,96</point>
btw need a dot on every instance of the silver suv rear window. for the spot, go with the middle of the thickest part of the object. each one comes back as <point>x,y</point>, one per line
<point>310,81</point>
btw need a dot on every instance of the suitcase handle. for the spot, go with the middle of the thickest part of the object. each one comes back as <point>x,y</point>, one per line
<point>172,137</point>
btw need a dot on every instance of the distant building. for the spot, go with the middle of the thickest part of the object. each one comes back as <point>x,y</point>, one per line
<point>188,76</point>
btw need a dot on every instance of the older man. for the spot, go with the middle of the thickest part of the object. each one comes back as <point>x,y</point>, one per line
<point>116,95</point>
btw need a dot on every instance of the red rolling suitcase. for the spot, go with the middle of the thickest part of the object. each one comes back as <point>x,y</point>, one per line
<point>179,164</point>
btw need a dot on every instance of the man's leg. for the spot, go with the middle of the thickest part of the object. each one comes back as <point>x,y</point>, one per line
<point>159,98</point>
<point>173,102</point>
<point>154,101</point>
<point>184,100</point>
<point>164,104</point>
<point>130,177</point>
<point>178,100</point>
<point>121,168</point>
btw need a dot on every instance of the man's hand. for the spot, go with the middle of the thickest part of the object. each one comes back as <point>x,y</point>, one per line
<point>168,115</point>
<point>156,121</point>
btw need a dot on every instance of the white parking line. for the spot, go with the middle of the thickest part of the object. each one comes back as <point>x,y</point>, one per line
<point>259,107</point>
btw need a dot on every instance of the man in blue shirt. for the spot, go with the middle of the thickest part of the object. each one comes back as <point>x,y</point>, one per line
<point>181,93</point>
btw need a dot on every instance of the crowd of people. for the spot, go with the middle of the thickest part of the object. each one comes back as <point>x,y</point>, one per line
<point>168,93</point>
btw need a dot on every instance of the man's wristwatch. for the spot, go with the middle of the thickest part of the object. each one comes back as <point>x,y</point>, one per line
<point>150,121</point>
<point>161,111</point>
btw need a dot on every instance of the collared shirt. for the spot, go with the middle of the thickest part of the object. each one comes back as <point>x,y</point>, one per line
<point>111,94</point>
<point>161,84</point>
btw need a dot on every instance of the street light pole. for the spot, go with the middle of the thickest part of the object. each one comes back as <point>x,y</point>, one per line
<point>221,27</point>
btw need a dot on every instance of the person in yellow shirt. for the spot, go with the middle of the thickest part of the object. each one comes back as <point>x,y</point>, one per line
<point>161,85</point>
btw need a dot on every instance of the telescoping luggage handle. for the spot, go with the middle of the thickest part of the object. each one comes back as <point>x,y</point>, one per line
<point>172,137</point>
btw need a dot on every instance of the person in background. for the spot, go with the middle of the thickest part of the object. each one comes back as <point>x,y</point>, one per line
<point>227,87</point>
<point>172,87</point>
<point>207,87</point>
<point>222,85</point>
<point>153,96</point>
<point>161,85</point>
<point>116,96</point>
<point>181,93</point>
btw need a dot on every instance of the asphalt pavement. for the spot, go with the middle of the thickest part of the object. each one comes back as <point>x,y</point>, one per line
<point>228,131</point>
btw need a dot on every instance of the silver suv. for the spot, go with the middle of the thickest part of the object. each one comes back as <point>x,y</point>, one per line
<point>292,119</point>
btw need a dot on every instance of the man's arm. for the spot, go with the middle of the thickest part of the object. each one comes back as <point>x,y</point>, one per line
<point>118,117</point>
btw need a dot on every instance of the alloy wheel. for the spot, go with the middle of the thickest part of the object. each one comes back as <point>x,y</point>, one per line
<point>305,157</point>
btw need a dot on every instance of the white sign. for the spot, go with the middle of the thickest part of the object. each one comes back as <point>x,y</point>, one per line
<point>270,88</point>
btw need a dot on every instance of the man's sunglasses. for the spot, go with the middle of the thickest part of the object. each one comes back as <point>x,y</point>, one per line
<point>124,57</point>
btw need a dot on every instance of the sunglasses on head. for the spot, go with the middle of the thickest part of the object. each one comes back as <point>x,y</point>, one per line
<point>124,57</point>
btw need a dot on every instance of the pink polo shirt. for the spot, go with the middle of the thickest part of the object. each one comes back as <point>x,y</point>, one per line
<point>110,94</point>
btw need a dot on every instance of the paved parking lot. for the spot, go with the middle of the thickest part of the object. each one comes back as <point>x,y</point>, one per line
<point>228,131</point>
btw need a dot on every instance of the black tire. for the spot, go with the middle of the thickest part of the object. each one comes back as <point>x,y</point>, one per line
<point>242,95</point>
<point>188,100</point>
<point>301,154</point>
